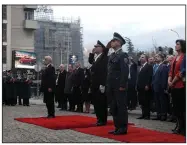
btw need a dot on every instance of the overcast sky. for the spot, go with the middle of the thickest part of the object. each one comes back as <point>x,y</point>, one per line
<point>140,23</point>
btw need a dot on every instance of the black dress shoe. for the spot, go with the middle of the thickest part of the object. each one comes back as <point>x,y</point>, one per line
<point>163,118</point>
<point>101,124</point>
<point>141,117</point>
<point>177,131</point>
<point>120,132</point>
<point>112,132</point>
<point>51,117</point>
<point>147,118</point>
<point>157,118</point>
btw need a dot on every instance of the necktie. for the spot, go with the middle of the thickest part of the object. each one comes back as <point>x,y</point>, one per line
<point>129,77</point>
<point>155,68</point>
<point>57,80</point>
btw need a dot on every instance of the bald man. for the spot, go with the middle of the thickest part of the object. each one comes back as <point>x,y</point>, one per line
<point>49,82</point>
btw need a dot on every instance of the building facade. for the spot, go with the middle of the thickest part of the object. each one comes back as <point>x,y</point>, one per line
<point>18,28</point>
<point>58,39</point>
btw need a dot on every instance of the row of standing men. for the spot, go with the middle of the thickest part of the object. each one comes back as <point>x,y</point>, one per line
<point>16,88</point>
<point>110,82</point>
<point>111,78</point>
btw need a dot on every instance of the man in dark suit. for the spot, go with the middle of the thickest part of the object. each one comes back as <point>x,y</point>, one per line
<point>78,78</point>
<point>132,78</point>
<point>117,80</point>
<point>144,86</point>
<point>98,83</point>
<point>60,85</point>
<point>159,85</point>
<point>48,82</point>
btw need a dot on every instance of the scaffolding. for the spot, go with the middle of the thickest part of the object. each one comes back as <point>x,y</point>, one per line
<point>57,38</point>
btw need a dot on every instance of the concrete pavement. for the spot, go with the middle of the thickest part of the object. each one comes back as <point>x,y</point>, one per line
<point>14,131</point>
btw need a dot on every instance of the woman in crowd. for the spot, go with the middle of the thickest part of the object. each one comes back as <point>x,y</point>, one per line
<point>177,88</point>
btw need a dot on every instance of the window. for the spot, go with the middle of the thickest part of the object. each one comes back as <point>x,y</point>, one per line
<point>4,12</point>
<point>29,15</point>
<point>66,26</point>
<point>66,43</point>
<point>4,54</point>
<point>4,32</point>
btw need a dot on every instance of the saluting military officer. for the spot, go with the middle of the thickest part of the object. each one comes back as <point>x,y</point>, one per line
<point>117,79</point>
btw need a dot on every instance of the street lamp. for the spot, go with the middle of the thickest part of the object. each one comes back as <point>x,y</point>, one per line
<point>68,35</point>
<point>174,32</point>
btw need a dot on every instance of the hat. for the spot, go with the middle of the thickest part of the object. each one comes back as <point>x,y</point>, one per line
<point>9,71</point>
<point>117,36</point>
<point>99,44</point>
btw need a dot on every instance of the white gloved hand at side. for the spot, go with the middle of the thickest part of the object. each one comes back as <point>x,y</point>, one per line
<point>102,88</point>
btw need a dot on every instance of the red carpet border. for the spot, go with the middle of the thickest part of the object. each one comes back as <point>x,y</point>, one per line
<point>85,124</point>
<point>135,135</point>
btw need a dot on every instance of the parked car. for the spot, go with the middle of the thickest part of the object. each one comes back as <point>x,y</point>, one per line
<point>27,60</point>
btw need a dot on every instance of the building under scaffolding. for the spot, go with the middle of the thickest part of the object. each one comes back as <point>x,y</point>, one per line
<point>58,38</point>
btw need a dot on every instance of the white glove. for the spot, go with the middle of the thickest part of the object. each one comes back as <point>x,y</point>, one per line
<point>89,91</point>
<point>102,88</point>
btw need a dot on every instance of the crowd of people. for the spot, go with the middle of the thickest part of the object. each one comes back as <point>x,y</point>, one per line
<point>118,83</point>
<point>16,88</point>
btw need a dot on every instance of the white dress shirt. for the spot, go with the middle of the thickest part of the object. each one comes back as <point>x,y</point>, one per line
<point>97,57</point>
<point>129,77</point>
<point>143,66</point>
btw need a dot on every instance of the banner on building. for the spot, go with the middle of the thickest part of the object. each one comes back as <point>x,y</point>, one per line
<point>73,59</point>
<point>24,59</point>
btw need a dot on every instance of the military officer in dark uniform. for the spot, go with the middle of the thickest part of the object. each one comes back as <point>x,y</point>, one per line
<point>117,79</point>
<point>98,83</point>
<point>4,87</point>
<point>10,89</point>
<point>19,89</point>
<point>26,89</point>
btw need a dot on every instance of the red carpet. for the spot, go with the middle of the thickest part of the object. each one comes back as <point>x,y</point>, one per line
<point>63,122</point>
<point>135,135</point>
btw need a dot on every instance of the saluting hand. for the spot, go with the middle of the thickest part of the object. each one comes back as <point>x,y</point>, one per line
<point>93,50</point>
<point>108,45</point>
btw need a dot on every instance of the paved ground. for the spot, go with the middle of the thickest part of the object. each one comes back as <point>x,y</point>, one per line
<point>14,131</point>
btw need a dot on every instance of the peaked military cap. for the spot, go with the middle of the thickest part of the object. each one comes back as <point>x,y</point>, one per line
<point>99,44</point>
<point>117,36</point>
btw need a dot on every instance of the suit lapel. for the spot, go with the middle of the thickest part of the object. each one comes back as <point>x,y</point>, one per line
<point>112,56</point>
